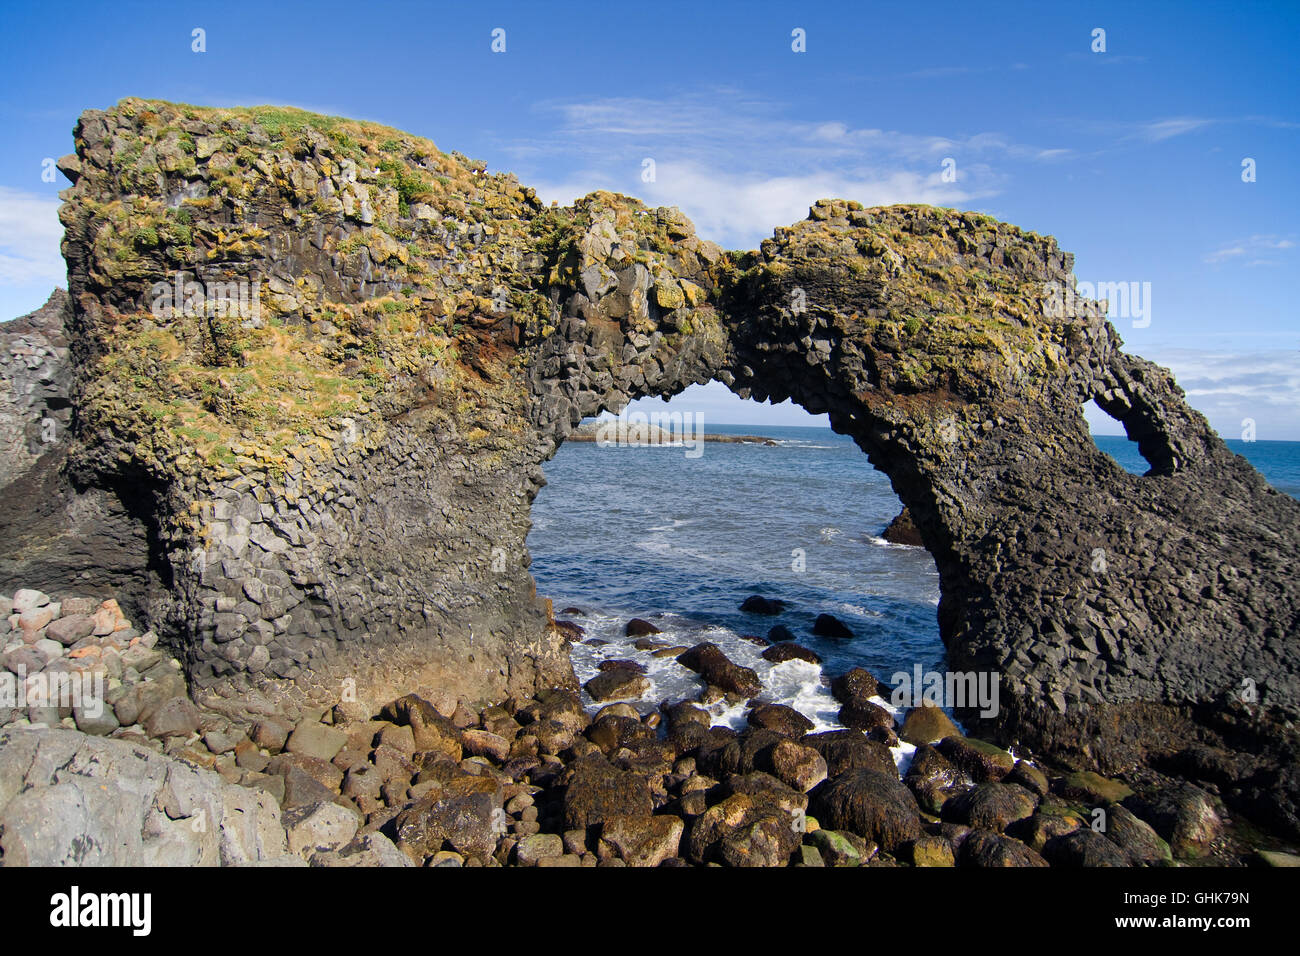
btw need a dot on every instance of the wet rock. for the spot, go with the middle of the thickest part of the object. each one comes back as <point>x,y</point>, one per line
<point>1138,840</point>
<point>1053,819</point>
<point>1028,776</point>
<point>612,732</point>
<point>903,530</point>
<point>757,604</point>
<point>596,792</point>
<point>466,814</point>
<point>644,840</point>
<point>931,851</point>
<point>484,743</point>
<point>784,720</point>
<point>927,724</point>
<point>984,848</point>
<point>850,750</point>
<point>1184,814</point>
<point>872,804</point>
<point>827,625</point>
<point>718,670</point>
<point>797,765</point>
<point>933,779</point>
<point>982,761</point>
<point>788,651</point>
<point>618,683</point>
<point>735,832</point>
<point>865,716</point>
<point>991,806</point>
<point>842,848</point>
<point>532,849</point>
<point>1084,847</point>
<point>1093,788</point>
<point>640,628</point>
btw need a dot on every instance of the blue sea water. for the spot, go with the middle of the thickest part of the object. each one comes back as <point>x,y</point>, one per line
<point>651,532</point>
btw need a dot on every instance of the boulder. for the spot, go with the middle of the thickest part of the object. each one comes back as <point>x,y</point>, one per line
<point>312,739</point>
<point>465,813</point>
<point>644,840</point>
<point>67,799</point>
<point>850,750</point>
<point>431,730</point>
<point>789,651</point>
<point>595,792</point>
<point>980,760</point>
<point>718,670</point>
<point>618,683</point>
<point>757,604</point>
<point>799,766</point>
<point>827,625</point>
<point>927,724</point>
<point>992,806</point>
<point>1184,815</point>
<point>870,803</point>
<point>984,848</point>
<point>1084,847</point>
<point>784,720</point>
<point>640,628</point>
<point>1135,837</point>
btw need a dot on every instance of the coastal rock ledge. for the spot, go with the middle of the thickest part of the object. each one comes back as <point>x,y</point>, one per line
<point>314,367</point>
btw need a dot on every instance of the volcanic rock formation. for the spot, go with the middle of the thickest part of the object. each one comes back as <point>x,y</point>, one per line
<point>317,364</point>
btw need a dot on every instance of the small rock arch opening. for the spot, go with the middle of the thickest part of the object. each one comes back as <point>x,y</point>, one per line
<point>1113,442</point>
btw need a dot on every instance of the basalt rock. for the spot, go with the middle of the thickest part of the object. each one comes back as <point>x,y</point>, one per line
<point>317,365</point>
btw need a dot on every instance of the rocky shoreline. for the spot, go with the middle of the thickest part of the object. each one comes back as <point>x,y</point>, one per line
<point>539,781</point>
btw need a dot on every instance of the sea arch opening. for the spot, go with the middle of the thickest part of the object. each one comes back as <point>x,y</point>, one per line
<point>638,521</point>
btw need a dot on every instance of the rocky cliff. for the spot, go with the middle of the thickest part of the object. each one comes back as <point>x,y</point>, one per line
<point>317,364</point>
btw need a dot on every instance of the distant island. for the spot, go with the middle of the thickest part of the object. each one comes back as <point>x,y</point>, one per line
<point>624,433</point>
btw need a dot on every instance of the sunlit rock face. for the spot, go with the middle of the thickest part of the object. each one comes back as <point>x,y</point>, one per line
<point>317,365</point>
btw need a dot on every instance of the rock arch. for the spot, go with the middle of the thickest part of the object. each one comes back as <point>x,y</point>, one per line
<point>342,485</point>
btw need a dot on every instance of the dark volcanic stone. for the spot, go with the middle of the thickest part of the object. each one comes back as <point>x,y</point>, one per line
<point>827,625</point>
<point>779,717</point>
<point>984,848</point>
<point>717,669</point>
<point>872,804</point>
<point>757,604</point>
<point>846,750</point>
<point>787,651</point>
<point>779,632</point>
<point>1084,847</point>
<point>640,628</point>
<point>902,530</point>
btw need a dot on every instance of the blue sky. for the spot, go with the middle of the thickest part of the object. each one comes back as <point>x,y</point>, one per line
<point>1131,157</point>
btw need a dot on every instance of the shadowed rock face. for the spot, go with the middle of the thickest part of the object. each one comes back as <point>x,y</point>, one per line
<point>338,471</point>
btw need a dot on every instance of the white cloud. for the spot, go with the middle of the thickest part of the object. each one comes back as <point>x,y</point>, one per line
<point>1257,250</point>
<point>1228,387</point>
<point>1155,132</point>
<point>739,167</point>
<point>29,239</point>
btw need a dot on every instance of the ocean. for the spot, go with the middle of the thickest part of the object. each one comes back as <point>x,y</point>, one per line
<point>649,532</point>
